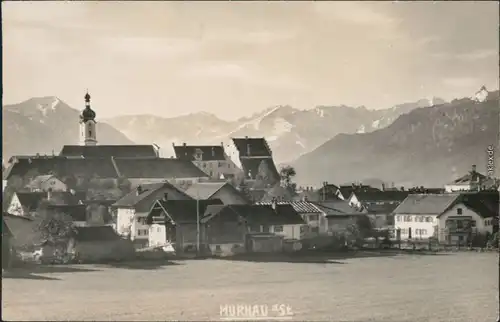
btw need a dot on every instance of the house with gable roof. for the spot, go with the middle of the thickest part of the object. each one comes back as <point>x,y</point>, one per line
<point>211,159</point>
<point>472,181</point>
<point>132,210</point>
<point>450,217</point>
<point>46,182</point>
<point>224,191</point>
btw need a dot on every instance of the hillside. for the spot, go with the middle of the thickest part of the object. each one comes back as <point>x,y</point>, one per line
<point>428,146</point>
<point>45,124</point>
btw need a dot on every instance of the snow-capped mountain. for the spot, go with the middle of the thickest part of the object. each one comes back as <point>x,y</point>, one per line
<point>428,146</point>
<point>289,131</point>
<point>44,125</point>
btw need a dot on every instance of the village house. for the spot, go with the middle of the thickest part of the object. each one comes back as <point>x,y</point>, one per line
<point>449,218</point>
<point>340,215</point>
<point>313,216</point>
<point>26,203</point>
<point>345,192</point>
<point>224,191</point>
<point>254,154</point>
<point>46,182</point>
<point>174,222</point>
<point>232,229</point>
<point>379,205</point>
<point>131,210</point>
<point>23,232</point>
<point>92,244</point>
<point>211,159</point>
<point>472,181</point>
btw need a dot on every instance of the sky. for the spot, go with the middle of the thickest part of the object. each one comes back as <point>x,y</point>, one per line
<point>237,58</point>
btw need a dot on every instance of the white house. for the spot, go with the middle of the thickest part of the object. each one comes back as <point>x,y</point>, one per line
<point>132,210</point>
<point>26,203</point>
<point>472,181</point>
<point>447,217</point>
<point>46,182</point>
<point>211,159</point>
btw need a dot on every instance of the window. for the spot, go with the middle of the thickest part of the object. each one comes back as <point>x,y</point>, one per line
<point>313,217</point>
<point>398,218</point>
<point>428,219</point>
<point>459,211</point>
<point>417,232</point>
<point>473,223</point>
<point>278,229</point>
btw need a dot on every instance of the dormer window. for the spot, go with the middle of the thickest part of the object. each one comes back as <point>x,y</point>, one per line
<point>198,155</point>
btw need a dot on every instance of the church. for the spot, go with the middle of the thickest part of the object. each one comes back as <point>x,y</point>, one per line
<point>139,164</point>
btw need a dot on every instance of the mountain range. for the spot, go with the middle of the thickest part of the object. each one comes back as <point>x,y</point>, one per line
<point>428,146</point>
<point>336,143</point>
<point>290,132</point>
<point>43,125</point>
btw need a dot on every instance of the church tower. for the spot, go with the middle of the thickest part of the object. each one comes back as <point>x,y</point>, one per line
<point>88,133</point>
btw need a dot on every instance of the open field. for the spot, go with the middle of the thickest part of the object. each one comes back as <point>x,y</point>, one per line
<point>445,287</point>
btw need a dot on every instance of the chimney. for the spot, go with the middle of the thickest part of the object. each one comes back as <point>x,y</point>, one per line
<point>165,196</point>
<point>49,194</point>
<point>139,190</point>
<point>248,149</point>
<point>222,144</point>
<point>213,152</point>
<point>184,144</point>
<point>383,186</point>
<point>473,168</point>
<point>273,203</point>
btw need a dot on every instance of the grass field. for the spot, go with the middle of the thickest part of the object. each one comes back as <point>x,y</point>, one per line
<point>453,287</point>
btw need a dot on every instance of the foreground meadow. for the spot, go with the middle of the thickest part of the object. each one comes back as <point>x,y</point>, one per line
<point>453,287</point>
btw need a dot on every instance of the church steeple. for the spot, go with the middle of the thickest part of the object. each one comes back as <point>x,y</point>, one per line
<point>88,113</point>
<point>88,135</point>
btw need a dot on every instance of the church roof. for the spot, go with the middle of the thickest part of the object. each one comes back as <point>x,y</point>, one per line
<point>60,167</point>
<point>208,152</point>
<point>103,151</point>
<point>103,167</point>
<point>157,168</point>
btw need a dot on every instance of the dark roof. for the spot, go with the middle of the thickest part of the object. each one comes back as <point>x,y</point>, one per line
<point>364,196</point>
<point>61,167</point>
<point>484,204</point>
<point>204,190</point>
<point>103,202</point>
<point>384,208</point>
<point>208,152</point>
<point>257,147</point>
<point>31,200</point>
<point>5,229</point>
<point>426,204</point>
<point>181,211</point>
<point>95,233</point>
<point>157,168</point>
<point>259,214</point>
<point>338,208</point>
<point>131,199</point>
<point>347,190</point>
<point>251,167</point>
<point>107,151</point>
<point>76,212</point>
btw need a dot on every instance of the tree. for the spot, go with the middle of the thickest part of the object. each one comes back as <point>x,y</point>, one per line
<point>286,174</point>
<point>55,228</point>
<point>124,185</point>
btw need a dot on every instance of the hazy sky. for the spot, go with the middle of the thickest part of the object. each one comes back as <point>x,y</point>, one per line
<point>236,58</point>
